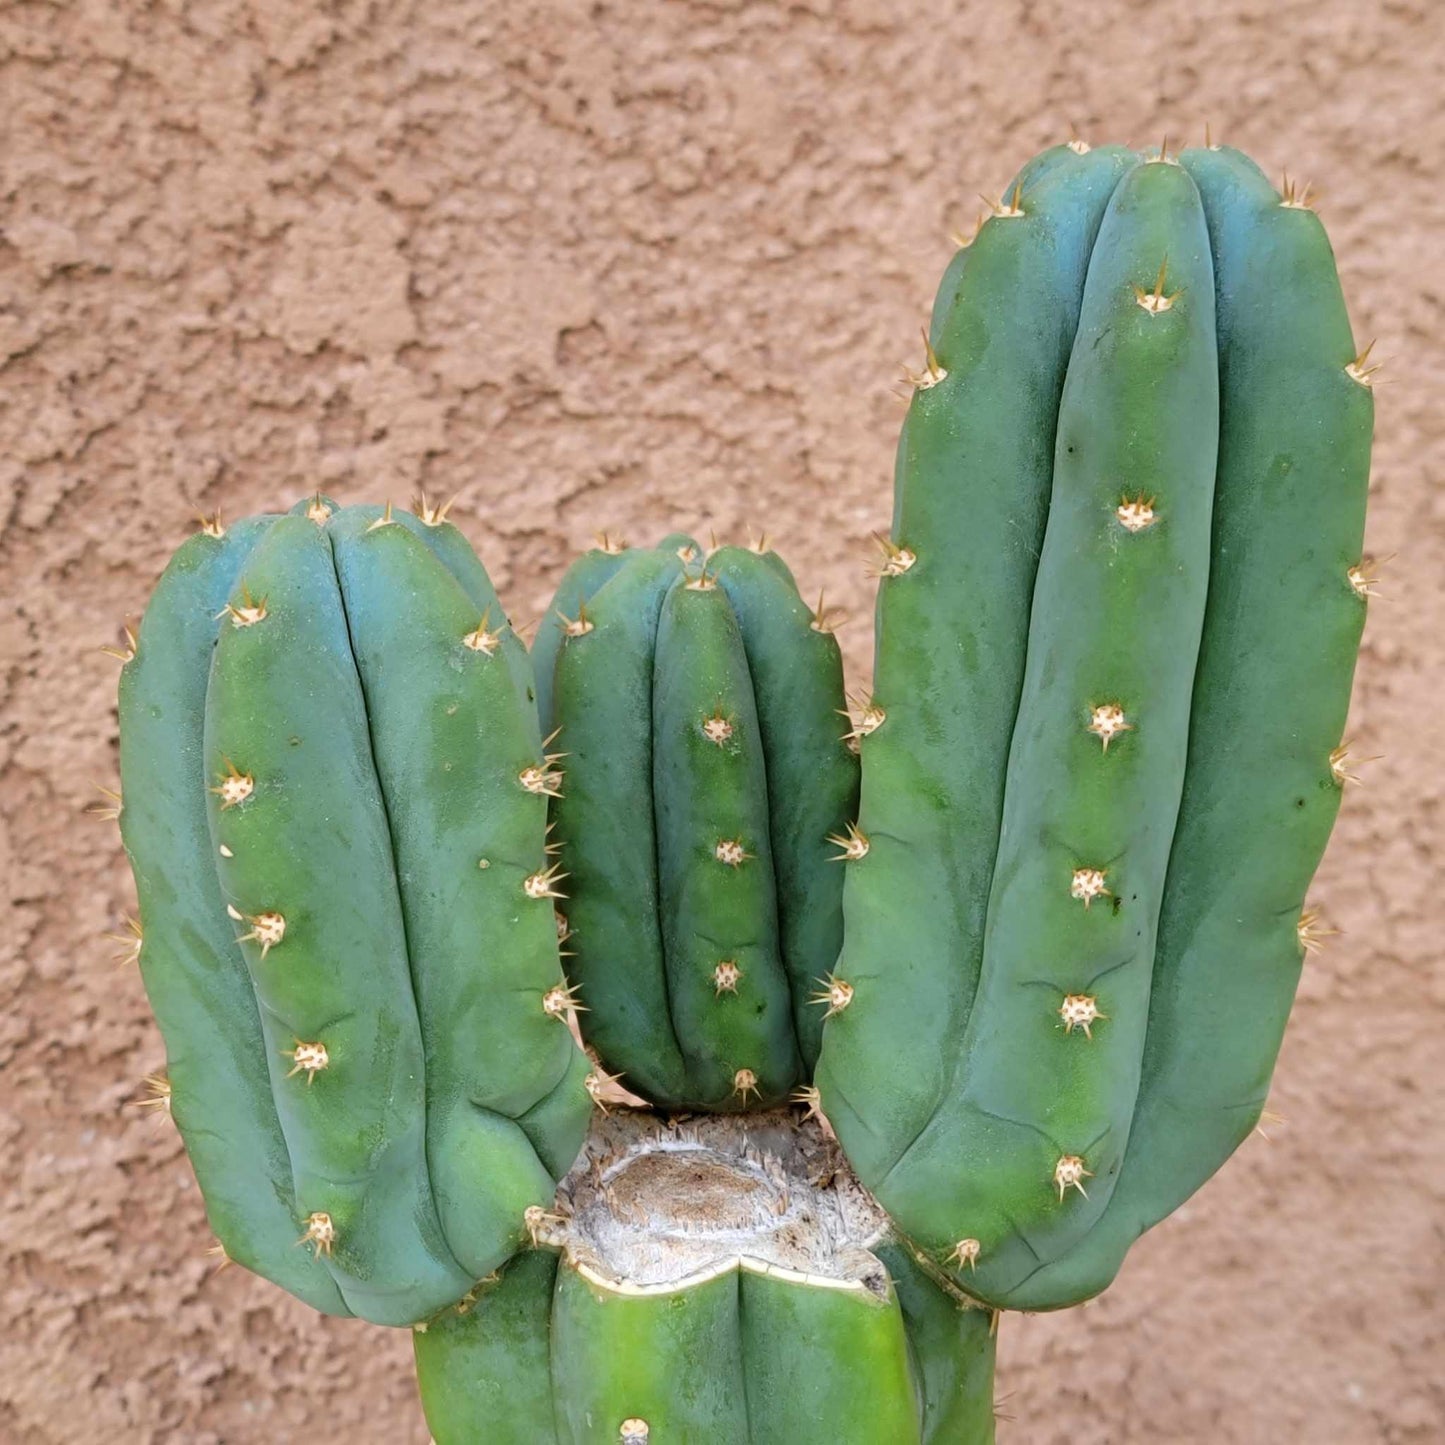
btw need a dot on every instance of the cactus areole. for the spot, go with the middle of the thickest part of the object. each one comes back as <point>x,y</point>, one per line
<point>899,1058</point>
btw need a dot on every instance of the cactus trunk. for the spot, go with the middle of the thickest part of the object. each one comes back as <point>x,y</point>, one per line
<point>726,1281</point>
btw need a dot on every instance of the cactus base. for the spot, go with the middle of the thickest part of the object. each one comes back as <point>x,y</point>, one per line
<point>744,1242</point>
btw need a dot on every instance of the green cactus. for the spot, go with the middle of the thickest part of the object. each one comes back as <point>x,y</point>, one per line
<point>1117,621</point>
<point>708,790</point>
<point>654,1323</point>
<point>1116,634</point>
<point>360,1001</point>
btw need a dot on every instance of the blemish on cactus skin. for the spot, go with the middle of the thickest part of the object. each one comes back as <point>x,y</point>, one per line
<point>731,852</point>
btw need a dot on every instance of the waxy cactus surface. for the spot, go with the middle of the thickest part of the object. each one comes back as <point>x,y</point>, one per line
<point>325,729</point>
<point>699,704</point>
<point>1117,626</point>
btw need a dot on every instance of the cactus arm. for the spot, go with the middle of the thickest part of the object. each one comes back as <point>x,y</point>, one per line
<point>671,1361</point>
<point>1276,661</point>
<point>309,867</point>
<point>482,1367</point>
<point>1024,1153</point>
<point>603,688</point>
<point>585,576</point>
<point>975,465</point>
<point>715,865</point>
<point>464,785</point>
<point>803,1353</point>
<point>194,973</point>
<point>812,778</point>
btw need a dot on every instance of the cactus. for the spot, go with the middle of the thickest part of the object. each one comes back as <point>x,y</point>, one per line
<point>326,751</point>
<point>1034,978</point>
<point>708,791</point>
<point>1116,632</point>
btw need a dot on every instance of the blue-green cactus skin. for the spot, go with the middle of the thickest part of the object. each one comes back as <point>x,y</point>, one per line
<point>1169,680</point>
<point>369,764</point>
<point>698,707</point>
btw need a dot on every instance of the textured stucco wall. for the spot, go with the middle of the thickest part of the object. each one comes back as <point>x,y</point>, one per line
<point>641,266</point>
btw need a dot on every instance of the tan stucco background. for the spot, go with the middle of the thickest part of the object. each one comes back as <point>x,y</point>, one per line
<point>639,266</point>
